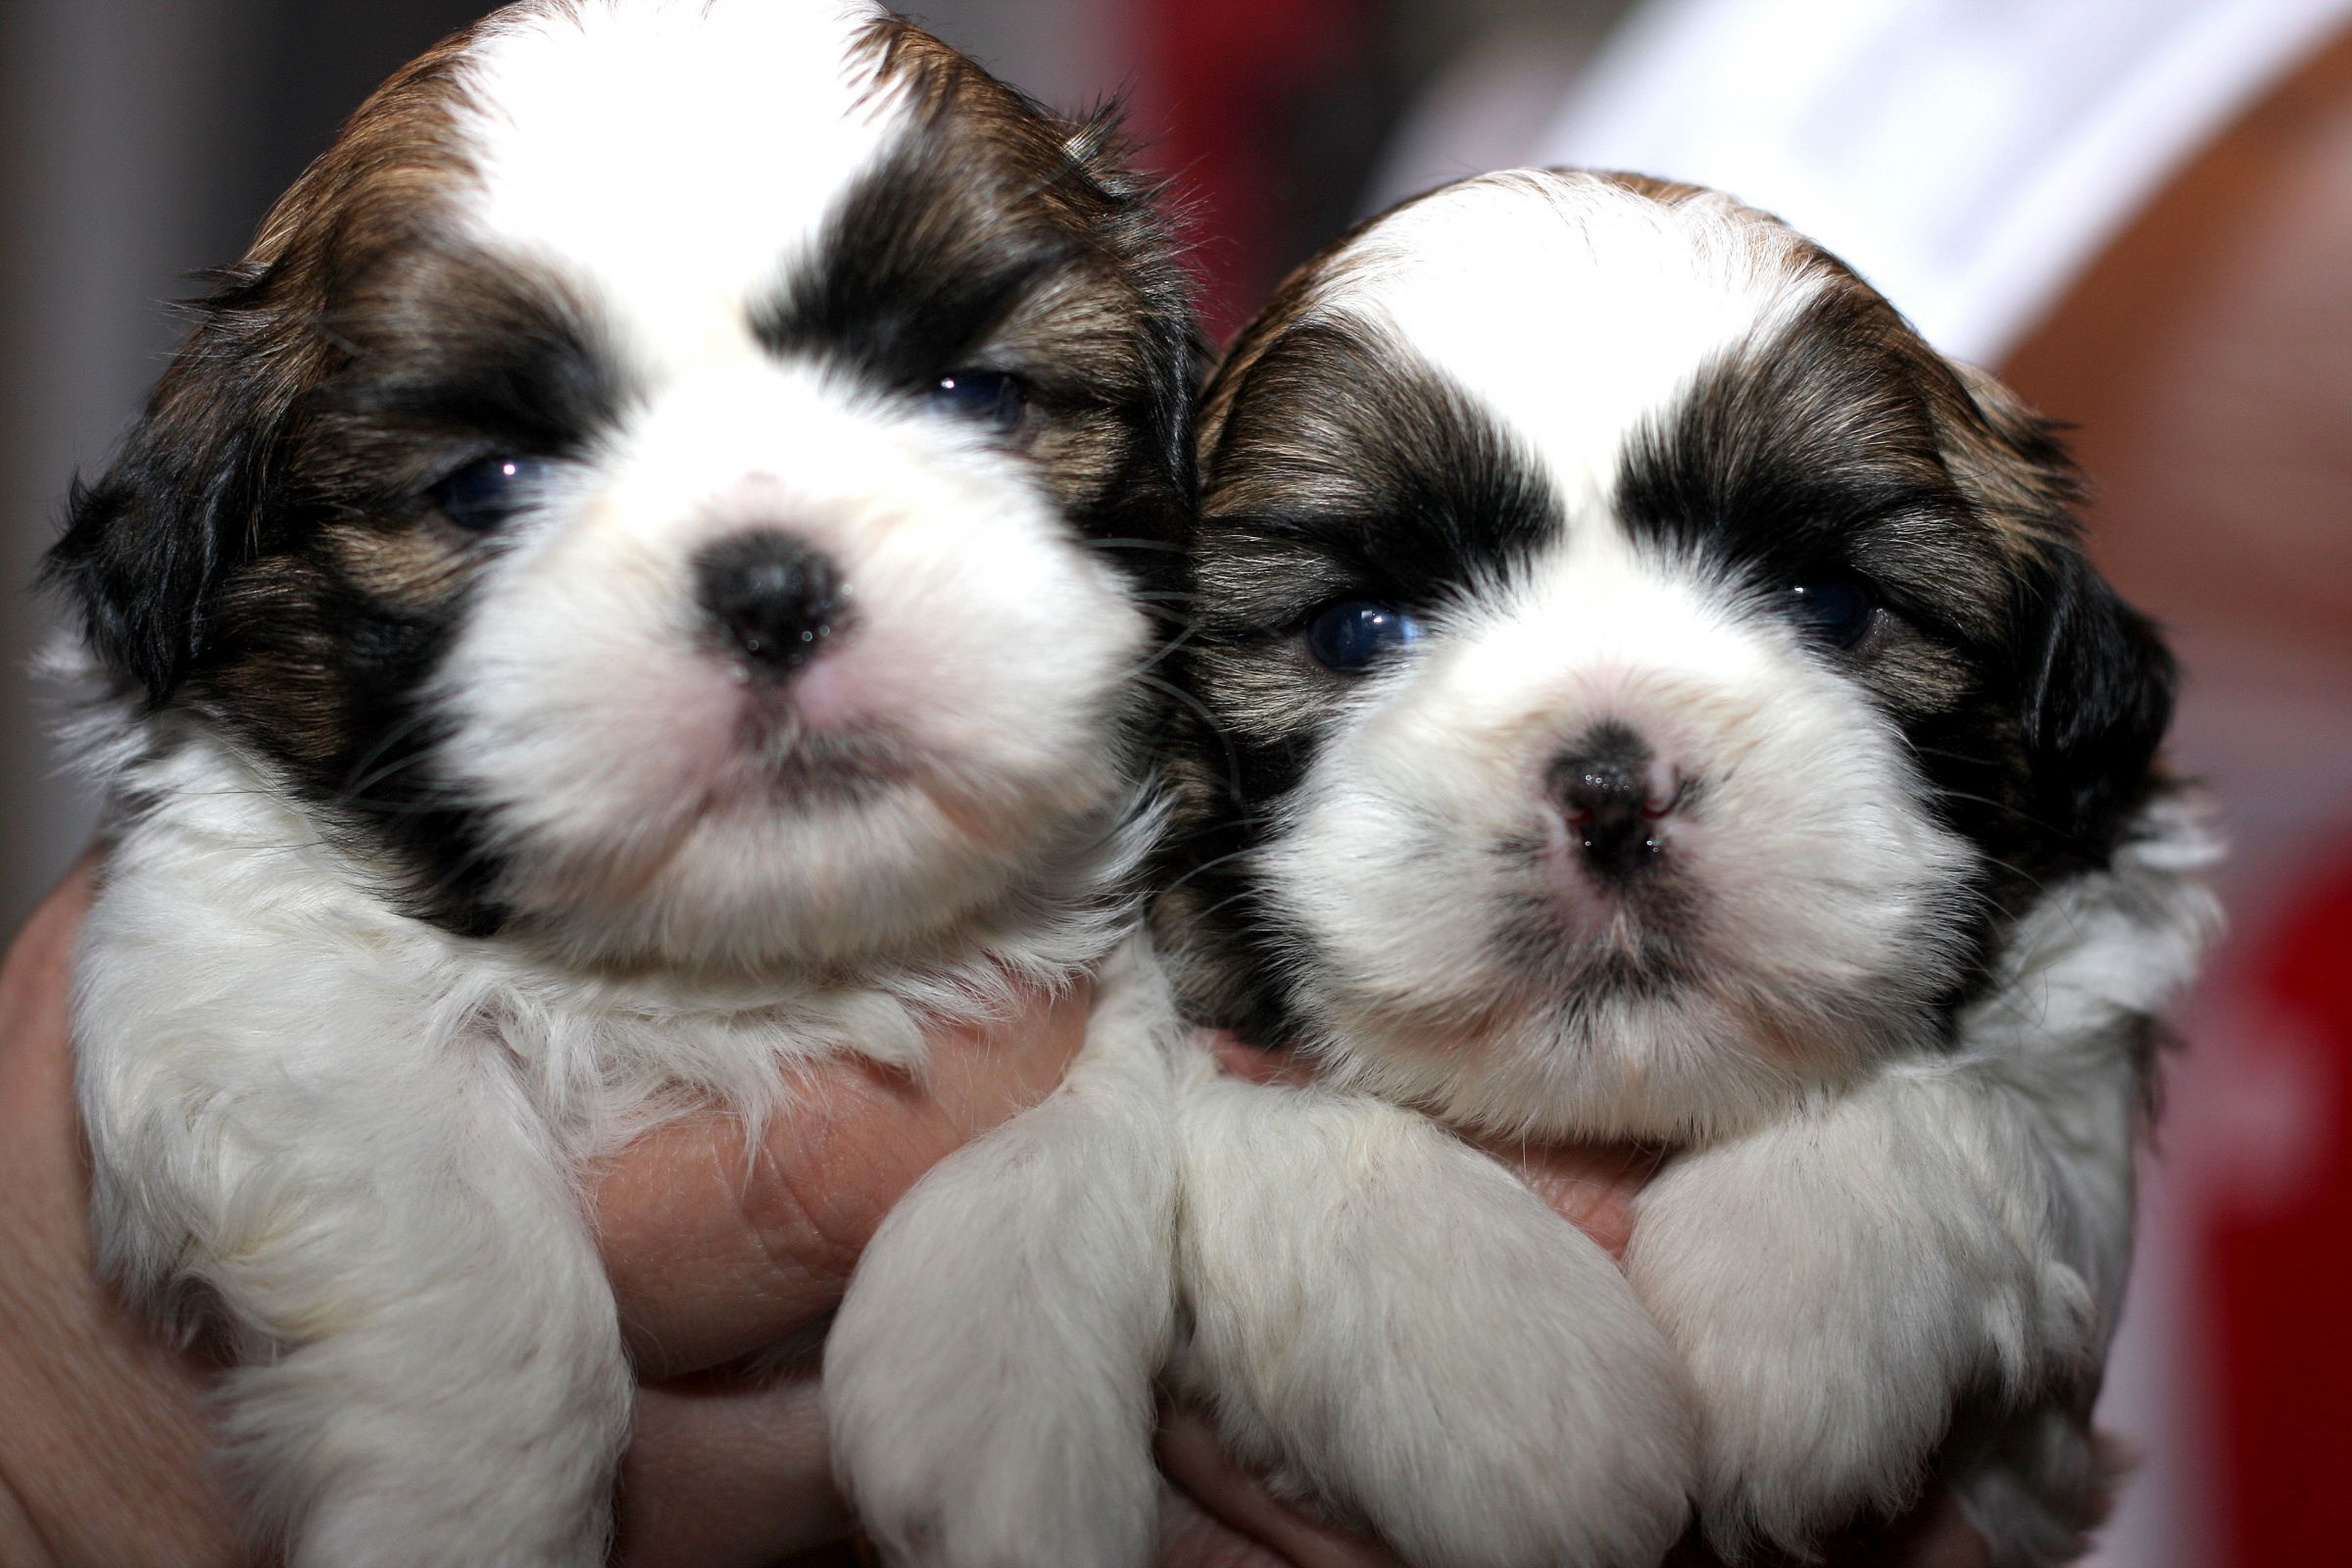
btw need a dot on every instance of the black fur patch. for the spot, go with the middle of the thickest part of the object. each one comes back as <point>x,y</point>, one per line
<point>997,236</point>
<point>1349,469</point>
<point>1843,445</point>
<point>1813,453</point>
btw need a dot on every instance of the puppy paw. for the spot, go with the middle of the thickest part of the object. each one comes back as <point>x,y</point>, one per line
<point>984,1416</point>
<point>1836,1285</point>
<point>989,1377</point>
<point>384,1533</point>
<point>1388,1320</point>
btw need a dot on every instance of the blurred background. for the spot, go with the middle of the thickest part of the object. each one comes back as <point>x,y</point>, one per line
<point>2139,211</point>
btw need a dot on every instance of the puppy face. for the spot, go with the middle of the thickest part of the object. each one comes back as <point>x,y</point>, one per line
<point>1642,678</point>
<point>678,480</point>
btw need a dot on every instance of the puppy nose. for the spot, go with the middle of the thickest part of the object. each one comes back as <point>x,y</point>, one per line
<point>1613,795</point>
<point>774,600</point>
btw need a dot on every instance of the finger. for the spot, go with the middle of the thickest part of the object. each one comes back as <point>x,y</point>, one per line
<point>1593,1185</point>
<point>1190,1454</point>
<point>106,1452</point>
<point>1257,1063</point>
<point>716,1251</point>
<point>724,1473</point>
<point>1192,1539</point>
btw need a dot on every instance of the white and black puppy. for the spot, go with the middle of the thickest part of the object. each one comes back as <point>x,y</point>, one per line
<point>638,579</point>
<point>1645,693</point>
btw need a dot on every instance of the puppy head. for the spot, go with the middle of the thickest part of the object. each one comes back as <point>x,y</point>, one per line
<point>677,479</point>
<point>1641,677</point>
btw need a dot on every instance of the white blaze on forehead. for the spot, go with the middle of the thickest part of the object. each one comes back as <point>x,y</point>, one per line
<point>677,154</point>
<point>1572,309</point>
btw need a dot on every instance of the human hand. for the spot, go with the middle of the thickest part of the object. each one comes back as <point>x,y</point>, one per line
<point>106,1456</point>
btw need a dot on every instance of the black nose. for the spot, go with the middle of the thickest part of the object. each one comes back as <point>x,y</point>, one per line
<point>774,599</point>
<point>1606,787</point>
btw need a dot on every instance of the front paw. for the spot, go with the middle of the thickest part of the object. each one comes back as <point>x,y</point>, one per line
<point>1387,1320</point>
<point>351,1479</point>
<point>1837,1283</point>
<point>988,1379</point>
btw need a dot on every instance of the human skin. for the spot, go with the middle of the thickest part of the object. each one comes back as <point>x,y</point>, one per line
<point>106,1452</point>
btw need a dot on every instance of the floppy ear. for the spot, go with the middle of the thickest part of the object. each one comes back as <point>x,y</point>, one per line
<point>1142,224</point>
<point>2097,694</point>
<point>2095,680</point>
<point>146,546</point>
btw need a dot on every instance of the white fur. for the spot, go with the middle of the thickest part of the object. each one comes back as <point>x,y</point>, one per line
<point>1626,300</point>
<point>1384,1318</point>
<point>678,155</point>
<point>989,1376</point>
<point>275,1073</point>
<point>1818,922</point>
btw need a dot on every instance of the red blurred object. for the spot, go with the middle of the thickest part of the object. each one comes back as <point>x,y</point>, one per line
<point>2281,1261</point>
<point>1218,111</point>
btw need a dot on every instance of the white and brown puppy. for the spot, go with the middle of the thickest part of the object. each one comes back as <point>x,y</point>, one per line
<point>1648,694</point>
<point>637,578</point>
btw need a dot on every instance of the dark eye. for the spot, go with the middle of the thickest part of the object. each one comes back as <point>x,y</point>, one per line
<point>1350,634</point>
<point>1840,611</point>
<point>989,399</point>
<point>482,496</point>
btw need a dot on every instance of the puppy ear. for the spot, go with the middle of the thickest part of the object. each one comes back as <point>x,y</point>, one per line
<point>1144,225</point>
<point>147,545</point>
<point>2098,697</point>
<point>2095,682</point>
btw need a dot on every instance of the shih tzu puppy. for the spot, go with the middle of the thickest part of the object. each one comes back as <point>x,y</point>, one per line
<point>1637,690</point>
<point>641,576</point>
<point>1645,693</point>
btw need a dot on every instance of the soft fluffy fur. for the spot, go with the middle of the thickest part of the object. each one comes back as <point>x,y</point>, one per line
<point>788,698</point>
<point>1770,779</point>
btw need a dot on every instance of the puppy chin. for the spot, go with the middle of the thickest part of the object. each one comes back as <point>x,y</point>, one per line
<point>863,870</point>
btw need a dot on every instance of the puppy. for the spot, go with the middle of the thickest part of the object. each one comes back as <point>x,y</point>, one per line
<point>1645,693</point>
<point>638,579</point>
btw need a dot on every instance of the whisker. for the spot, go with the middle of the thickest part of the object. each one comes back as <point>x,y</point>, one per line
<point>1232,758</point>
<point>358,778</point>
<point>1211,866</point>
<point>1174,642</point>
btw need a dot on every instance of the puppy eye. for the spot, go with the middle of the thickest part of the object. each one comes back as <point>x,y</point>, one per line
<point>989,399</point>
<point>1347,636</point>
<point>1840,611</point>
<point>483,496</point>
